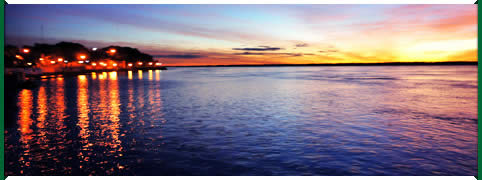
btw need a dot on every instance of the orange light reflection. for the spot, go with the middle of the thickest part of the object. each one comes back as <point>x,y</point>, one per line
<point>139,72</point>
<point>129,74</point>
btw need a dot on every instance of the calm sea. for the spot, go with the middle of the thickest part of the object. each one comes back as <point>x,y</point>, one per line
<point>399,120</point>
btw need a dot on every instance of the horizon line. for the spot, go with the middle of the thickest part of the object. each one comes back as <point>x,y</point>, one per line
<point>340,64</point>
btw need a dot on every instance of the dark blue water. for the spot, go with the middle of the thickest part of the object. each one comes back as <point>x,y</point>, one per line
<point>403,120</point>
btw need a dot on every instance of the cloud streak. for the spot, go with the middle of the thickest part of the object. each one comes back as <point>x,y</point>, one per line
<point>275,54</point>
<point>260,48</point>
<point>180,56</point>
<point>302,45</point>
<point>328,51</point>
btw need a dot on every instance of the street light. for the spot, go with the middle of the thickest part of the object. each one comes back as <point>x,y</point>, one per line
<point>112,51</point>
<point>19,57</point>
<point>140,63</point>
<point>25,50</point>
<point>94,49</point>
<point>60,59</point>
<point>150,63</point>
<point>82,57</point>
<point>130,64</point>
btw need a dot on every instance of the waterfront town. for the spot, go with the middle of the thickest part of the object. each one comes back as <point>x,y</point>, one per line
<point>68,57</point>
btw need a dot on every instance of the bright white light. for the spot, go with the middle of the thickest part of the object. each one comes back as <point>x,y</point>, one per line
<point>94,49</point>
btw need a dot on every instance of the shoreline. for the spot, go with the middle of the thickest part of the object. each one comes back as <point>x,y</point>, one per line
<point>343,64</point>
<point>74,73</point>
<point>22,80</point>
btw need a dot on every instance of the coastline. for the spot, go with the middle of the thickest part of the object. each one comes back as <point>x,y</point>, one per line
<point>74,73</point>
<point>342,64</point>
<point>20,79</point>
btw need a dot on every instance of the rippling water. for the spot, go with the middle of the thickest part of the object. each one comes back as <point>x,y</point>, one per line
<point>403,120</point>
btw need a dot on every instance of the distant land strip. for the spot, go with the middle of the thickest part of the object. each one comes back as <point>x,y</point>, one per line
<point>342,64</point>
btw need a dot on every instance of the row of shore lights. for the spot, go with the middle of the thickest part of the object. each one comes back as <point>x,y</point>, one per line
<point>128,64</point>
<point>84,57</point>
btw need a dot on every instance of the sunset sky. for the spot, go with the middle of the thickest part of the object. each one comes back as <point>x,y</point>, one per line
<point>257,34</point>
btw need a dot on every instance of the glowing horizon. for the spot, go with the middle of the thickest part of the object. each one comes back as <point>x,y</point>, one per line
<point>257,34</point>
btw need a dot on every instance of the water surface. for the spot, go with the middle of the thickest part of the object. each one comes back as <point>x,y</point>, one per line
<point>400,120</point>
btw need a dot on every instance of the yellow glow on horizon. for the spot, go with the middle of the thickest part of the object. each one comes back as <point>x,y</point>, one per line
<point>437,51</point>
<point>447,45</point>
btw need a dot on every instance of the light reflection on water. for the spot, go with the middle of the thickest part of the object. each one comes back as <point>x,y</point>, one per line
<point>249,121</point>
